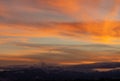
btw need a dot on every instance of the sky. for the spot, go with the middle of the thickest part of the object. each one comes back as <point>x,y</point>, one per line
<point>59,31</point>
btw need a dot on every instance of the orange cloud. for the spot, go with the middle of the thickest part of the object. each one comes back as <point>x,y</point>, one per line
<point>60,54</point>
<point>59,10</point>
<point>92,31</point>
<point>95,20</point>
<point>81,20</point>
<point>63,54</point>
<point>16,59</point>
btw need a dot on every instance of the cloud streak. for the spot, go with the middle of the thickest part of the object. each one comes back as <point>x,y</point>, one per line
<point>96,20</point>
<point>88,21</point>
<point>62,54</point>
<point>80,31</point>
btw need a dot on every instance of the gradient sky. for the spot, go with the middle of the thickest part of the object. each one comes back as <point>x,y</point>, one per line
<point>59,31</point>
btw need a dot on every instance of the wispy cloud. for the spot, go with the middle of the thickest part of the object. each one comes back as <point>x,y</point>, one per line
<point>99,18</point>
<point>62,54</point>
<point>88,21</point>
<point>80,31</point>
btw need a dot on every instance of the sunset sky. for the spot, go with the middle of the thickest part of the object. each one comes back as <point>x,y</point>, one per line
<point>59,31</point>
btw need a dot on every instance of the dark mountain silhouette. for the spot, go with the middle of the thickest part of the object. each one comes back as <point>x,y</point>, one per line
<point>47,72</point>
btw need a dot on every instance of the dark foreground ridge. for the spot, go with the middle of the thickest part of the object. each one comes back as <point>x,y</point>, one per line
<point>61,73</point>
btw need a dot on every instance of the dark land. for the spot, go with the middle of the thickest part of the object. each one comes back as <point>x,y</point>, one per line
<point>46,72</point>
